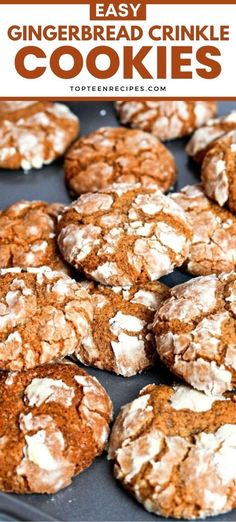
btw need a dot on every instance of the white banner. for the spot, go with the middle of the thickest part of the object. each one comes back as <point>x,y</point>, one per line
<point>65,52</point>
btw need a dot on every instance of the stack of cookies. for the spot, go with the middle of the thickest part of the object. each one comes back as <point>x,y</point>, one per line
<point>83,281</point>
<point>54,416</point>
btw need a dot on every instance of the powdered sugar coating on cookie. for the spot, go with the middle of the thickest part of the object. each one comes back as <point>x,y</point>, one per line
<point>94,408</point>
<point>218,171</point>
<point>213,246</point>
<point>47,390</point>
<point>166,120</point>
<point>177,463</point>
<point>43,315</point>
<point>47,418</point>
<point>203,138</point>
<point>120,339</point>
<point>118,155</point>
<point>151,238</point>
<point>194,400</point>
<point>191,329</point>
<point>28,235</point>
<point>41,134</point>
<point>14,106</point>
<point>43,463</point>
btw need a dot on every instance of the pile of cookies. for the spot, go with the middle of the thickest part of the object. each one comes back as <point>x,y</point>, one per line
<point>54,416</point>
<point>83,281</point>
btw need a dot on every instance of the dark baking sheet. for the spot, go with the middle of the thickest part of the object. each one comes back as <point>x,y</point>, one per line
<point>94,495</point>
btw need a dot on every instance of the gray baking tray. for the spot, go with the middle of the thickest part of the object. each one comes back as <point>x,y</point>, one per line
<point>94,495</point>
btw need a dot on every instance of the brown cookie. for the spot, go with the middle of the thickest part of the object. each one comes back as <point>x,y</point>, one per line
<point>196,332</point>
<point>54,422</point>
<point>204,137</point>
<point>121,340</point>
<point>34,135</point>
<point>118,155</point>
<point>43,315</point>
<point>218,171</point>
<point>213,246</point>
<point>166,120</point>
<point>125,234</point>
<point>174,449</point>
<point>28,235</point>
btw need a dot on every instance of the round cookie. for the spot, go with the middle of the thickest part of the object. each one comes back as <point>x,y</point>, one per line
<point>196,332</point>
<point>36,134</point>
<point>166,120</point>
<point>54,422</point>
<point>213,246</point>
<point>118,155</point>
<point>218,171</point>
<point>125,234</point>
<point>173,449</point>
<point>204,137</point>
<point>43,315</point>
<point>28,235</point>
<point>121,340</point>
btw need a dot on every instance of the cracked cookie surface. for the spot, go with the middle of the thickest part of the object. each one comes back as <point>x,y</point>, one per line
<point>28,235</point>
<point>218,171</point>
<point>173,449</point>
<point>125,234</point>
<point>213,246</point>
<point>118,155</point>
<point>121,338</point>
<point>204,137</point>
<point>43,315</point>
<point>54,422</point>
<point>166,120</point>
<point>195,332</point>
<point>34,134</point>
<point>15,109</point>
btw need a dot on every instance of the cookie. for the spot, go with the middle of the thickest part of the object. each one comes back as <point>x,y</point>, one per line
<point>213,246</point>
<point>118,155</point>
<point>28,235</point>
<point>36,134</point>
<point>125,234</point>
<point>43,315</point>
<point>218,171</point>
<point>54,422</point>
<point>121,340</point>
<point>173,449</point>
<point>204,137</point>
<point>196,332</point>
<point>166,120</point>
